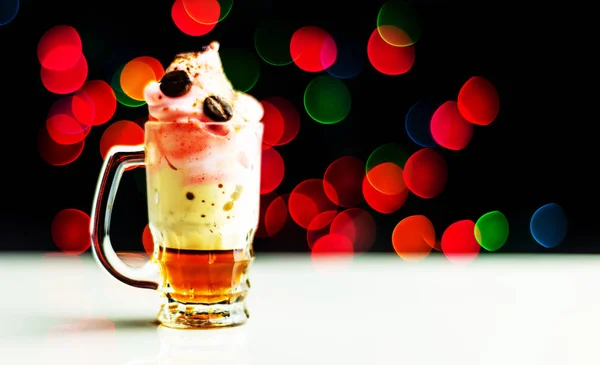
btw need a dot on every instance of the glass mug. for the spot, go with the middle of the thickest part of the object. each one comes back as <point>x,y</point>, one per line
<point>203,184</point>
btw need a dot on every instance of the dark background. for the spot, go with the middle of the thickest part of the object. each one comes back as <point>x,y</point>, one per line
<point>539,150</point>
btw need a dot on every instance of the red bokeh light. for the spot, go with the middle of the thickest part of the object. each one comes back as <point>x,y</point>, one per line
<point>413,238</point>
<point>123,132</point>
<point>272,170</point>
<point>426,173</point>
<point>319,226</point>
<point>185,23</point>
<point>61,124</point>
<point>272,214</point>
<point>155,65</point>
<point>65,81</point>
<point>203,11</point>
<point>478,101</point>
<point>459,243</point>
<point>313,49</point>
<point>274,124</point>
<point>147,240</point>
<point>332,244</point>
<point>291,119</point>
<point>59,48</point>
<point>64,129</point>
<point>449,129</point>
<point>387,178</point>
<point>71,231</point>
<point>380,202</point>
<point>342,181</point>
<point>95,103</point>
<point>332,252</point>
<point>276,216</point>
<point>358,226</point>
<point>388,59</point>
<point>307,200</point>
<point>57,154</point>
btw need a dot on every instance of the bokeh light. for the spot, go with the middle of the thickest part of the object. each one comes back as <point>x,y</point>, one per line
<point>319,226</point>
<point>95,103</point>
<point>70,231</point>
<point>307,200</point>
<point>8,11</point>
<point>241,67</point>
<point>358,226</point>
<point>491,230</point>
<point>418,123</point>
<point>265,201</point>
<point>147,240</point>
<point>203,11</point>
<point>57,154</point>
<point>122,133</point>
<point>327,100</point>
<point>272,39</point>
<point>276,215</point>
<point>60,48</point>
<point>388,59</point>
<point>290,118</point>
<point>398,23</point>
<point>384,168</point>
<point>134,77</point>
<point>478,101</point>
<point>331,255</point>
<point>185,23</point>
<point>548,225</point>
<point>459,243</point>
<point>387,178</point>
<point>61,124</point>
<point>65,130</point>
<point>313,49</point>
<point>449,129</point>
<point>273,214</point>
<point>332,246</point>
<point>426,173</point>
<point>155,65</point>
<point>272,170</point>
<point>389,152</point>
<point>351,58</point>
<point>121,97</point>
<point>413,238</point>
<point>65,81</point>
<point>274,125</point>
<point>342,181</point>
<point>380,202</point>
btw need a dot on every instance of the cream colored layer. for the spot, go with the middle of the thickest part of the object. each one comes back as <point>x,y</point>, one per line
<point>203,216</point>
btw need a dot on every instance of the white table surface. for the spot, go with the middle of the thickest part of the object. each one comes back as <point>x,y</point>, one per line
<point>377,310</point>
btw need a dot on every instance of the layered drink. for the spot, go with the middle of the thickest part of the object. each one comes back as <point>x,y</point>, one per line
<point>203,154</point>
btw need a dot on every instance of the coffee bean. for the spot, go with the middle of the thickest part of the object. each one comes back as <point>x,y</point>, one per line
<point>217,109</point>
<point>175,83</point>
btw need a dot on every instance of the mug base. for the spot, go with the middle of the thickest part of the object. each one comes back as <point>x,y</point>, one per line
<point>190,316</point>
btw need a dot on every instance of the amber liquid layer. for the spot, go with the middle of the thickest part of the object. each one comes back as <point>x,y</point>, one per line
<point>207,277</point>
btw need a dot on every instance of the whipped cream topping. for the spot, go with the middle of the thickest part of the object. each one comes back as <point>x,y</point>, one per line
<point>208,78</point>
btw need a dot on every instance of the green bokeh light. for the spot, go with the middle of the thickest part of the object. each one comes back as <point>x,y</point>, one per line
<point>226,6</point>
<point>122,98</point>
<point>390,152</point>
<point>403,16</point>
<point>241,66</point>
<point>491,230</point>
<point>272,39</point>
<point>327,100</point>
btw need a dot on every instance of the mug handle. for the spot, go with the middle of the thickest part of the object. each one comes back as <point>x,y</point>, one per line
<point>118,159</point>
